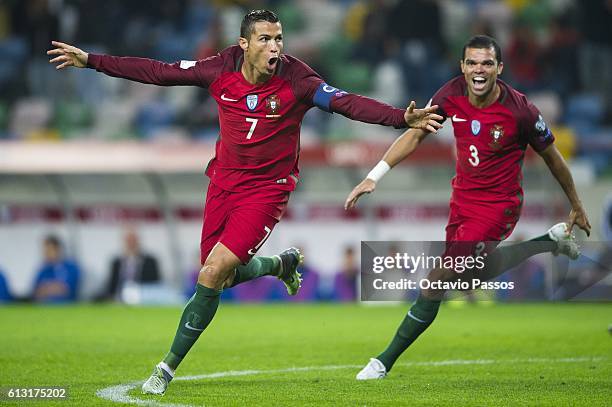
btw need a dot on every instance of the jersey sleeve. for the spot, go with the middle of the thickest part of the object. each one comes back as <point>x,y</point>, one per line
<point>305,82</point>
<point>310,88</point>
<point>534,128</point>
<point>439,98</point>
<point>368,110</point>
<point>197,73</point>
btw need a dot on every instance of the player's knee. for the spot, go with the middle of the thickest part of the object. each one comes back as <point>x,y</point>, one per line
<point>229,281</point>
<point>213,275</point>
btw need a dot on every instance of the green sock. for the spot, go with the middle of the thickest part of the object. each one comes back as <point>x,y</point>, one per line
<point>257,267</point>
<point>421,315</point>
<point>198,313</point>
<point>504,258</point>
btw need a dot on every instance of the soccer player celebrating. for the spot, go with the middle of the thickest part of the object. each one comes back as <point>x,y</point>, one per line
<point>493,124</point>
<point>262,96</point>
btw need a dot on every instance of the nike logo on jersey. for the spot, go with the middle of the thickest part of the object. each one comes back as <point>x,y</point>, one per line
<point>192,328</point>
<point>223,97</point>
<point>458,119</point>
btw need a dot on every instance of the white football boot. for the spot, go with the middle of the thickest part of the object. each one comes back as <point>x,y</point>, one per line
<point>158,382</point>
<point>566,243</point>
<point>373,370</point>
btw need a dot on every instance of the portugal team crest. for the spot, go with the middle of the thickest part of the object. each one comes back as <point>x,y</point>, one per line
<point>273,104</point>
<point>251,101</point>
<point>497,132</point>
<point>475,127</point>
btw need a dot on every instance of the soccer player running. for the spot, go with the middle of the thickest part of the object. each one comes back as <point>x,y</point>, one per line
<point>262,96</point>
<point>493,124</point>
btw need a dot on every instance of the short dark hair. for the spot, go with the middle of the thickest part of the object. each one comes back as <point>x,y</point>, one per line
<point>253,16</point>
<point>54,241</point>
<point>483,41</point>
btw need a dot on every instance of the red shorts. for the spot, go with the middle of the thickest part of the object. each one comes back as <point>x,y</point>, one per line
<point>242,221</point>
<point>474,229</point>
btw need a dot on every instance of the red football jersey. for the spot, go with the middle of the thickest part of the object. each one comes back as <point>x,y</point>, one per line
<point>491,142</point>
<point>260,124</point>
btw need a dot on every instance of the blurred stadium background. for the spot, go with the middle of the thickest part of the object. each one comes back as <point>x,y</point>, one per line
<point>83,155</point>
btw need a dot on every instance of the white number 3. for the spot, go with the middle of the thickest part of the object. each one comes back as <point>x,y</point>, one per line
<point>474,160</point>
<point>253,125</point>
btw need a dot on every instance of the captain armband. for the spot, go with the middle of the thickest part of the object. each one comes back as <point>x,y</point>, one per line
<point>324,94</point>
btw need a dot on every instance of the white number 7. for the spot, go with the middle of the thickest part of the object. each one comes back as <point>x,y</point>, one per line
<point>268,231</point>
<point>253,125</point>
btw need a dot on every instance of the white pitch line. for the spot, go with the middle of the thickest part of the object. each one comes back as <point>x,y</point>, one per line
<point>120,392</point>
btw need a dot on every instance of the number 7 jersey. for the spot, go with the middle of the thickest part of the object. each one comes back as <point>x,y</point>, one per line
<point>491,141</point>
<point>260,124</point>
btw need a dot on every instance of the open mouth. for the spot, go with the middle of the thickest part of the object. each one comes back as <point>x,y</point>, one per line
<point>272,62</point>
<point>479,82</point>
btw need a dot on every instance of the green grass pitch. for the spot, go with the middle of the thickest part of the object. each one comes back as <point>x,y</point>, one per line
<point>524,354</point>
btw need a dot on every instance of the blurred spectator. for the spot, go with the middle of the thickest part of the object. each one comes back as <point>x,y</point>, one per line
<point>367,23</point>
<point>38,22</point>
<point>564,47</point>
<point>5,293</point>
<point>605,257</point>
<point>423,46</point>
<point>524,58</point>
<point>606,219</point>
<point>560,65</point>
<point>132,268</point>
<point>57,280</point>
<point>212,41</point>
<point>346,280</point>
<point>596,50</point>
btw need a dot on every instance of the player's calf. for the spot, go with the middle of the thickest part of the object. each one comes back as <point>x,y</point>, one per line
<point>417,320</point>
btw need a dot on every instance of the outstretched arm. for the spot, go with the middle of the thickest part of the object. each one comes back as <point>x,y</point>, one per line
<point>561,172</point>
<point>137,69</point>
<point>310,87</point>
<point>369,110</point>
<point>401,148</point>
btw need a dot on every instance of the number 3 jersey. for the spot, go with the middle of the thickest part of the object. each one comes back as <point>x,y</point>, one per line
<point>258,143</point>
<point>491,141</point>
